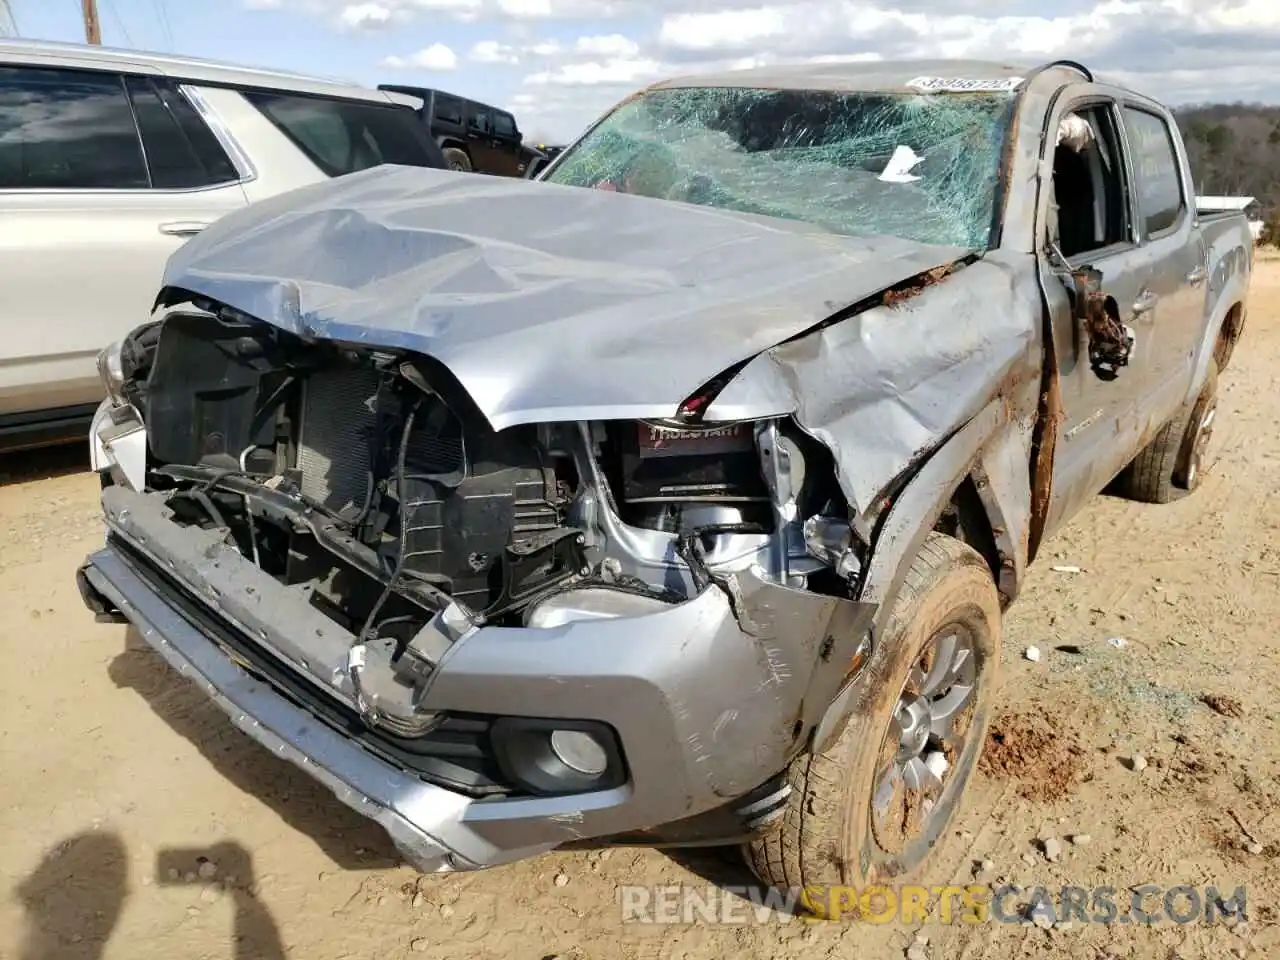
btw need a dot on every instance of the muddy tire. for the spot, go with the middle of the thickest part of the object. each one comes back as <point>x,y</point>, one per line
<point>457,159</point>
<point>842,827</point>
<point>1232,327</point>
<point>1171,465</point>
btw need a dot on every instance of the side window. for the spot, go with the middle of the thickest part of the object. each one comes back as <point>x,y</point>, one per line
<point>181,152</point>
<point>67,129</point>
<point>1156,169</point>
<point>449,109</point>
<point>478,119</point>
<point>343,136</point>
<point>1088,200</point>
<point>504,125</point>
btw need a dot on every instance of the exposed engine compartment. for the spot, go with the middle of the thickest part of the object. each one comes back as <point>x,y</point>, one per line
<point>368,482</point>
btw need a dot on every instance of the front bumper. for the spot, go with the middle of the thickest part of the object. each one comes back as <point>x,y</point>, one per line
<point>709,698</point>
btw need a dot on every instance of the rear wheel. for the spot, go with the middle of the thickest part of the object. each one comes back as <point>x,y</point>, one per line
<point>1172,465</point>
<point>457,159</point>
<point>870,808</point>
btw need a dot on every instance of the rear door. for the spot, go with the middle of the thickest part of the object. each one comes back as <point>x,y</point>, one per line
<point>1175,252</point>
<point>449,123</point>
<point>480,141</point>
<point>102,176</point>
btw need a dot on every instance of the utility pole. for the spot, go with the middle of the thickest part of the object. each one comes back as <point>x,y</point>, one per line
<point>8,26</point>
<point>92,31</point>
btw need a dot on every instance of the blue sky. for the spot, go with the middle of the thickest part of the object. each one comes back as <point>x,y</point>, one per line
<point>558,63</point>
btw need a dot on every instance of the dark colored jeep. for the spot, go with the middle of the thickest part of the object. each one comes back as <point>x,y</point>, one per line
<point>472,135</point>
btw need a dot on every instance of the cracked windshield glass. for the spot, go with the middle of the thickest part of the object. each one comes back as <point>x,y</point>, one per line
<point>917,167</point>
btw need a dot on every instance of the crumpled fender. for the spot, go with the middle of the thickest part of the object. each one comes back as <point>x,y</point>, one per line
<point>994,450</point>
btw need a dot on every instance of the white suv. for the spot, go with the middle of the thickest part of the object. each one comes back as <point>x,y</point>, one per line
<point>108,160</point>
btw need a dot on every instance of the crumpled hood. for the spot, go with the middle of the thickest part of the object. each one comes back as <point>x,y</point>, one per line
<point>546,302</point>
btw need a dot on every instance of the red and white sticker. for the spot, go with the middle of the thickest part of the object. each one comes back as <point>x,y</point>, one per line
<point>656,441</point>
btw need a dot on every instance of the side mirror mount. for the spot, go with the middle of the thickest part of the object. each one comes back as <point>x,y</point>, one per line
<point>1110,341</point>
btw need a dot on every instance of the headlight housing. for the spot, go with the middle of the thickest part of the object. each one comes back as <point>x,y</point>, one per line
<point>111,372</point>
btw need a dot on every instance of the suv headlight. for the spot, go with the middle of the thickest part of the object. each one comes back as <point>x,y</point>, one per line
<point>111,371</point>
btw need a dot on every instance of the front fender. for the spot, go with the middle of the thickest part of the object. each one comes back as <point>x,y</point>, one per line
<point>913,516</point>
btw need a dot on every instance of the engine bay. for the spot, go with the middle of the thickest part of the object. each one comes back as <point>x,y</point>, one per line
<point>369,481</point>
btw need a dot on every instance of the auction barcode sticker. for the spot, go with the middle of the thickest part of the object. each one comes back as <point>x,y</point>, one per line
<point>965,84</point>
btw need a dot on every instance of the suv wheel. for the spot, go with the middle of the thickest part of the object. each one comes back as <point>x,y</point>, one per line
<point>1172,465</point>
<point>457,159</point>
<point>871,808</point>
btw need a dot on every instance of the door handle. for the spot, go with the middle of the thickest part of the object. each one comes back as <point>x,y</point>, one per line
<point>1145,303</point>
<point>183,228</point>
<point>1198,276</point>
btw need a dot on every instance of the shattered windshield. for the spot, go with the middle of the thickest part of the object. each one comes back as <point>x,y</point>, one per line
<point>917,167</point>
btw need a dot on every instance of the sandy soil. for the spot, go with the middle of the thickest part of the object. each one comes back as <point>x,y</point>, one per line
<point>118,777</point>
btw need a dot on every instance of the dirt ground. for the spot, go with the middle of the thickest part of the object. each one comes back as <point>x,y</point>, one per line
<point>118,776</point>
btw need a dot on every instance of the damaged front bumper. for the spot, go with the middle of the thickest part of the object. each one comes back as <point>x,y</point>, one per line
<point>708,699</point>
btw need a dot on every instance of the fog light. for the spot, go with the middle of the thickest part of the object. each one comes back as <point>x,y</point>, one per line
<point>580,751</point>
<point>555,757</point>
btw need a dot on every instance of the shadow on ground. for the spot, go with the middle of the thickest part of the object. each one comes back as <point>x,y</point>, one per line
<point>726,868</point>
<point>29,466</point>
<point>230,867</point>
<point>301,802</point>
<point>73,900</point>
<point>74,897</point>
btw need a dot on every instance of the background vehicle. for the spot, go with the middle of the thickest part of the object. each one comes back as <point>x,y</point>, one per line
<point>762,439</point>
<point>473,136</point>
<point>111,159</point>
<point>540,163</point>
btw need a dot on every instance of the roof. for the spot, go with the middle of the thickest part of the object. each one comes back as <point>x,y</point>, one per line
<point>854,76</point>
<point>49,53</point>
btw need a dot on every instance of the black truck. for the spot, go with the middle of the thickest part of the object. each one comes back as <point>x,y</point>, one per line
<point>473,135</point>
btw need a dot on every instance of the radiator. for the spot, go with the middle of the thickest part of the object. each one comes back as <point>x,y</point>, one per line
<point>336,434</point>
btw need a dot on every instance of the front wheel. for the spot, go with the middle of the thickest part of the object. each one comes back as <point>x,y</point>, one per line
<point>871,807</point>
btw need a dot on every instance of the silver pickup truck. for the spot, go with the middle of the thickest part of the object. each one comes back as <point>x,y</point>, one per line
<point>677,498</point>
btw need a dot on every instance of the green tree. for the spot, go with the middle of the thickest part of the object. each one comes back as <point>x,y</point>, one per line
<point>1219,139</point>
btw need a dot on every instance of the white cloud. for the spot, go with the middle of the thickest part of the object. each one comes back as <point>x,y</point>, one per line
<point>436,57</point>
<point>724,29</point>
<point>1178,50</point>
<point>363,16</point>
<point>1145,33</point>
<point>491,51</point>
<point>614,46</point>
<point>525,9</point>
<point>596,73</point>
<point>603,50</point>
<point>384,14</point>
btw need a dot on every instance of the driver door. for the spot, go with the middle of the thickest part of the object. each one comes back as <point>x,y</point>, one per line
<point>1086,218</point>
